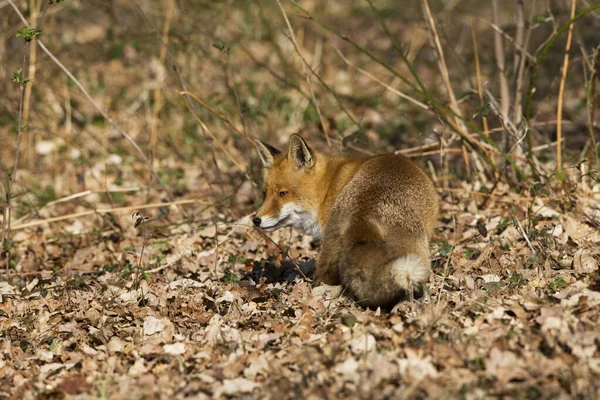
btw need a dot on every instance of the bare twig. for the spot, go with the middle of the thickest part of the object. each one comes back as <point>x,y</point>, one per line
<point>182,83</point>
<point>98,108</point>
<point>437,45</point>
<point>441,110</point>
<point>592,96</point>
<point>306,66</point>
<point>216,140</point>
<point>34,6</point>
<point>484,120</point>
<point>218,115</point>
<point>561,90</point>
<point>285,254</point>
<point>544,48</point>
<point>508,38</point>
<point>500,63</point>
<point>77,196</point>
<point>236,96</point>
<point>12,173</point>
<point>474,135</point>
<point>108,210</point>
<point>519,35</point>
<point>520,70</point>
<point>385,85</point>
<point>435,39</point>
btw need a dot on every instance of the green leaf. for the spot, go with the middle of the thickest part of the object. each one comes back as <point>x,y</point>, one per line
<point>446,249</point>
<point>28,33</point>
<point>502,225</point>
<point>538,187</point>
<point>478,364</point>
<point>348,320</point>
<point>468,253</point>
<point>221,46</point>
<point>163,245</point>
<point>561,176</point>
<point>24,345</point>
<point>229,277</point>
<point>310,114</point>
<point>485,110</point>
<point>78,282</point>
<point>557,284</point>
<point>19,79</point>
<point>516,280</point>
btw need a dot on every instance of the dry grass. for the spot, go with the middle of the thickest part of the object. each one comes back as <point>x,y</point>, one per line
<point>154,107</point>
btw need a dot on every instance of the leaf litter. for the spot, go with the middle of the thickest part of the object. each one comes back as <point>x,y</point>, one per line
<point>502,315</point>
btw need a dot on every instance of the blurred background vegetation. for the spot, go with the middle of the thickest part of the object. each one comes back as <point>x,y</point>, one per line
<point>239,61</point>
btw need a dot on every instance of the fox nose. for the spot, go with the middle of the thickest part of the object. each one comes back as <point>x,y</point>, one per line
<point>256,221</point>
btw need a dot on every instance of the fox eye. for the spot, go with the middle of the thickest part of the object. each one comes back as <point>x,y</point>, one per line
<point>283,193</point>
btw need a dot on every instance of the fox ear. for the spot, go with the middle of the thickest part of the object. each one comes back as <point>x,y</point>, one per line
<point>266,152</point>
<point>300,153</point>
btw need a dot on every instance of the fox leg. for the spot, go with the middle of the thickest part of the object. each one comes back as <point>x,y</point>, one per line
<point>329,256</point>
<point>327,270</point>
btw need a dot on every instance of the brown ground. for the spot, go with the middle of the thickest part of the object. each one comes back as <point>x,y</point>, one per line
<point>194,302</point>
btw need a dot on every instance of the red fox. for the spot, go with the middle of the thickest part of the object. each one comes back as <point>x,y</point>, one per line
<point>375,216</point>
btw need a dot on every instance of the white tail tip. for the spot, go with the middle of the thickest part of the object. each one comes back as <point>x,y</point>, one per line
<point>409,271</point>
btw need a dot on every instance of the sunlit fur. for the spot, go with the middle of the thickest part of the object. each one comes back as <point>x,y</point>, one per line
<point>374,214</point>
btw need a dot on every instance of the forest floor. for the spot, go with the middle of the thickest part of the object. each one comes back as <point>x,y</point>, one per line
<point>120,287</point>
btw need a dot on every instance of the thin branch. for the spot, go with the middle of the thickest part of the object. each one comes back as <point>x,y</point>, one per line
<point>12,174</point>
<point>441,110</point>
<point>305,65</point>
<point>158,100</point>
<point>484,120</point>
<point>109,210</point>
<point>435,39</point>
<point>561,90</point>
<point>216,140</point>
<point>31,75</point>
<point>218,115</point>
<point>181,83</point>
<point>592,95</point>
<point>385,85</point>
<point>500,63</point>
<point>98,108</point>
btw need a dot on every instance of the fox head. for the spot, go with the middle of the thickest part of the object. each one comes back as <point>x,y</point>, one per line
<point>290,187</point>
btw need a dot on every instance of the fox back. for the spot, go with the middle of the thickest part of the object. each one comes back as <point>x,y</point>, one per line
<point>375,216</point>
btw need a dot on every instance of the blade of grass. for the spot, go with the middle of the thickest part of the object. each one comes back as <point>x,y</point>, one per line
<point>437,45</point>
<point>305,65</point>
<point>98,108</point>
<point>158,100</point>
<point>440,110</point>
<point>540,58</point>
<point>385,85</point>
<point>216,140</point>
<point>398,49</point>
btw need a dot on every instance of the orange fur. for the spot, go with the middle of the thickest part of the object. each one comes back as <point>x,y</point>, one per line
<point>374,214</point>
